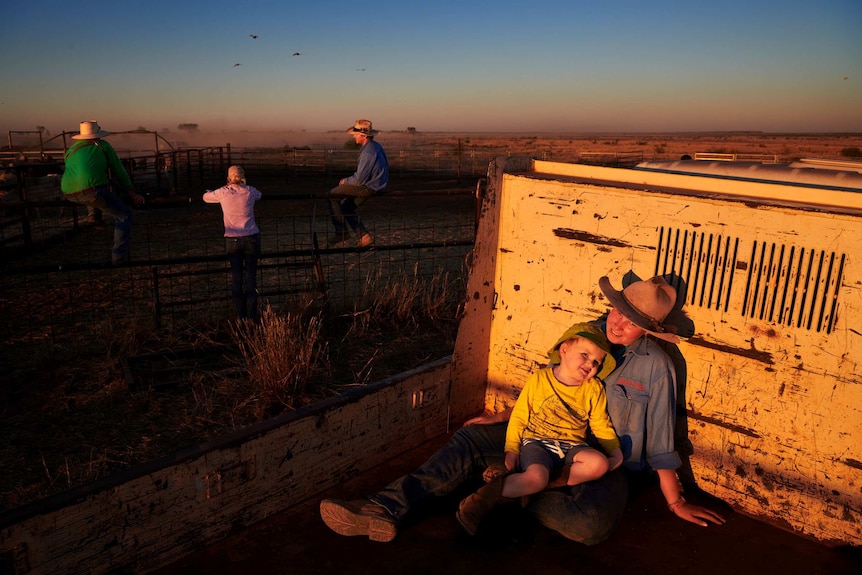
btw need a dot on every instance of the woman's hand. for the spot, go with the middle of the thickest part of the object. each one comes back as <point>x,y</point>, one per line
<point>696,514</point>
<point>487,419</point>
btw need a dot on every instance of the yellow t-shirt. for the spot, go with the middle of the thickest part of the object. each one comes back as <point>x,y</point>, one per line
<point>539,413</point>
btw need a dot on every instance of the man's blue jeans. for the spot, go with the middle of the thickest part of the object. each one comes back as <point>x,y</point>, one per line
<point>243,252</point>
<point>102,199</point>
<point>586,513</point>
<point>343,201</point>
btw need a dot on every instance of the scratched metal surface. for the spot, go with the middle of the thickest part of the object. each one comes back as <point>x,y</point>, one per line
<point>772,387</point>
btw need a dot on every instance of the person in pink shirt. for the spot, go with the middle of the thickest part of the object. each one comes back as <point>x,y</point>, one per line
<point>242,238</point>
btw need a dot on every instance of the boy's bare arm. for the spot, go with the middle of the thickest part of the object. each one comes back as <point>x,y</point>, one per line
<point>615,459</point>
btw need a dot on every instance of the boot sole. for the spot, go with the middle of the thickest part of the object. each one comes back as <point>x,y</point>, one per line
<point>349,523</point>
<point>470,530</point>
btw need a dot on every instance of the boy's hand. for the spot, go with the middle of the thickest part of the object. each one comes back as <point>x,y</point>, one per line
<point>513,461</point>
<point>615,459</point>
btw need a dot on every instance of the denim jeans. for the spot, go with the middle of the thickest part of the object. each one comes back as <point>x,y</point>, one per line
<point>343,201</point>
<point>586,513</point>
<point>102,199</point>
<point>242,252</point>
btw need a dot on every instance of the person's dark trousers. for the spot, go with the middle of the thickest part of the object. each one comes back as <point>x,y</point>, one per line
<point>102,199</point>
<point>343,201</point>
<point>243,253</point>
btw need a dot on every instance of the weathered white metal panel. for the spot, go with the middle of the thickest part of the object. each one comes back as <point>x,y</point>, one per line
<point>773,393</point>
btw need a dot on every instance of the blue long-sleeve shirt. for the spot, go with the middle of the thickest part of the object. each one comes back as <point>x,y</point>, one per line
<point>641,394</point>
<point>372,170</point>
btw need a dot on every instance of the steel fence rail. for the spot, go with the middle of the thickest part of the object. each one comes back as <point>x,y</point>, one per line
<point>60,288</point>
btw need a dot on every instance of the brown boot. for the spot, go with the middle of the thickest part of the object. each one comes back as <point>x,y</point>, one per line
<point>561,480</point>
<point>476,506</point>
<point>359,517</point>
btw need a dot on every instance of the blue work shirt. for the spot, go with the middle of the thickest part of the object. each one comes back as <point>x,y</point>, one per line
<point>372,170</point>
<point>641,394</point>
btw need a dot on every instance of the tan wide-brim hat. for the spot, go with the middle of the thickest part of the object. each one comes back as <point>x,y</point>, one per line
<point>91,131</point>
<point>362,127</point>
<point>646,304</point>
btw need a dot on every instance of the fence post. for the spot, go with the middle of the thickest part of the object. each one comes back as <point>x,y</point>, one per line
<point>200,165</point>
<point>459,161</point>
<point>174,170</point>
<point>157,307</point>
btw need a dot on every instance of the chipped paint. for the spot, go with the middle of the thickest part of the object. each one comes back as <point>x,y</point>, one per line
<point>721,423</point>
<point>760,356</point>
<point>589,238</point>
<point>773,293</point>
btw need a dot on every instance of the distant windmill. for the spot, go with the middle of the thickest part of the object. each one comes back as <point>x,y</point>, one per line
<point>253,36</point>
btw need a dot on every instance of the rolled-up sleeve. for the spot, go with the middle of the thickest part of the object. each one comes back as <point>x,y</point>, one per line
<point>661,419</point>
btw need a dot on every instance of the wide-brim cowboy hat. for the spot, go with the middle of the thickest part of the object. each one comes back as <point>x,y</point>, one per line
<point>91,131</point>
<point>595,335</point>
<point>646,304</point>
<point>362,127</point>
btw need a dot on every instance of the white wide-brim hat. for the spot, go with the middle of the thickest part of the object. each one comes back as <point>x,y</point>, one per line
<point>91,131</point>
<point>362,127</point>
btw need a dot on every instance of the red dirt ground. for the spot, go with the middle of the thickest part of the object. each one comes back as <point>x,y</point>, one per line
<point>649,540</point>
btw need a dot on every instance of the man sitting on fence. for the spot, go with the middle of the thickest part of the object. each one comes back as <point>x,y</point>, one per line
<point>90,164</point>
<point>371,176</point>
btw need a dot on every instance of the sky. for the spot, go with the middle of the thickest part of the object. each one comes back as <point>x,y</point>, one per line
<point>464,66</point>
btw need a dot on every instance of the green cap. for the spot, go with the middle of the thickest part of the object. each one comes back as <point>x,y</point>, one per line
<point>595,335</point>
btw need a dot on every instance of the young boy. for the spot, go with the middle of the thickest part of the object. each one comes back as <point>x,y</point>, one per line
<point>548,425</point>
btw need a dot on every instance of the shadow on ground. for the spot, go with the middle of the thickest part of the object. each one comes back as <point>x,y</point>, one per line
<point>649,540</point>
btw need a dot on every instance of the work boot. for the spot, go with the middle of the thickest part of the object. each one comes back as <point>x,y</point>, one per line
<point>337,238</point>
<point>561,480</point>
<point>473,509</point>
<point>359,517</point>
<point>365,241</point>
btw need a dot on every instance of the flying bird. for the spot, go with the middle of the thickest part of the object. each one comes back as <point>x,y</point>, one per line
<point>253,36</point>
<point>237,64</point>
<point>845,77</point>
<point>297,54</point>
<point>360,69</point>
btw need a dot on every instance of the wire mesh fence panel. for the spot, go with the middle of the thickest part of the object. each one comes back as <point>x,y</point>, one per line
<point>61,288</point>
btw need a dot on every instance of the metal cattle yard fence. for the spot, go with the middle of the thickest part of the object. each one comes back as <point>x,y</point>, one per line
<point>57,286</point>
<point>62,288</point>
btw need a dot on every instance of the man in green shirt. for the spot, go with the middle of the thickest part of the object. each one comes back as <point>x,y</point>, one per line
<point>90,164</point>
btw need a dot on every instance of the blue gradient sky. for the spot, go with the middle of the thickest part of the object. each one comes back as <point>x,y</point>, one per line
<point>567,66</point>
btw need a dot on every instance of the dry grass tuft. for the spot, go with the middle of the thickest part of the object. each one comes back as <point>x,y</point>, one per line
<point>70,415</point>
<point>281,355</point>
<point>407,300</point>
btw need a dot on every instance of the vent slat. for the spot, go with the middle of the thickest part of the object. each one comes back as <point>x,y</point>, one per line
<point>786,285</point>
